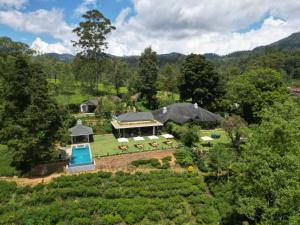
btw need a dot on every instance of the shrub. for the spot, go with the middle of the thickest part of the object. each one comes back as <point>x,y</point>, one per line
<point>184,157</point>
<point>189,136</point>
<point>166,159</point>
<point>152,162</point>
<point>73,108</point>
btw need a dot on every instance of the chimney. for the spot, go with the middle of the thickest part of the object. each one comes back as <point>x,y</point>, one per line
<point>196,106</point>
<point>165,110</point>
<point>79,122</point>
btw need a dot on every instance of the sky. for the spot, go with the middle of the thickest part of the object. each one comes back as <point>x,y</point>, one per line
<point>184,26</point>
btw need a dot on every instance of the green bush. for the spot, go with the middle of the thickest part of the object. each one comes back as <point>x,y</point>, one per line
<point>73,108</point>
<point>189,135</point>
<point>152,162</point>
<point>184,157</point>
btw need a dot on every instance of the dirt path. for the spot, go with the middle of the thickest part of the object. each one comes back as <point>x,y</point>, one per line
<point>31,181</point>
<point>108,164</point>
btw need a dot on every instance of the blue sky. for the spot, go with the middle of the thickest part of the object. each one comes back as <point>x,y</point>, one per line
<point>184,26</point>
<point>110,8</point>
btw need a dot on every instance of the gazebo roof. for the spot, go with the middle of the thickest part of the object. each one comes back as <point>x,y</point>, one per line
<point>183,112</point>
<point>80,130</point>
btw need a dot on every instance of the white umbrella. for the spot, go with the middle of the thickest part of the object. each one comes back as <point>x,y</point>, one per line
<point>167,136</point>
<point>206,138</point>
<point>122,139</point>
<point>138,138</point>
<point>153,137</point>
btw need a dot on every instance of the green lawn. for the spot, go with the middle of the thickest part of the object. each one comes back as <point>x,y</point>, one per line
<point>107,144</point>
<point>223,139</point>
<point>5,160</point>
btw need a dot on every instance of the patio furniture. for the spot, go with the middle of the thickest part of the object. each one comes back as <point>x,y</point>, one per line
<point>153,144</point>
<point>122,140</point>
<point>139,146</point>
<point>167,136</point>
<point>138,138</point>
<point>153,137</point>
<point>123,147</point>
<point>168,142</point>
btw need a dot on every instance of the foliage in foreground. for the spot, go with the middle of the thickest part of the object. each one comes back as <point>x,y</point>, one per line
<point>6,158</point>
<point>153,162</point>
<point>29,119</point>
<point>155,198</point>
<point>262,187</point>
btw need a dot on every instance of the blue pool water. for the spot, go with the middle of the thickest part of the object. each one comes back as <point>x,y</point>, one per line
<point>80,155</point>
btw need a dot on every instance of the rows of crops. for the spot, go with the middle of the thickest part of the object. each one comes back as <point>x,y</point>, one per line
<point>160,197</point>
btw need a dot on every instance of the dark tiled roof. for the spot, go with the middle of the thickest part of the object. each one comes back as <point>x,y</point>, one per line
<point>135,116</point>
<point>80,130</point>
<point>91,102</point>
<point>183,112</point>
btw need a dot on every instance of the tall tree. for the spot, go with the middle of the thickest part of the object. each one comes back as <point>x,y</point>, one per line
<point>148,70</point>
<point>92,33</point>
<point>119,74</point>
<point>168,79</point>
<point>234,126</point>
<point>29,118</point>
<point>199,81</point>
<point>249,93</point>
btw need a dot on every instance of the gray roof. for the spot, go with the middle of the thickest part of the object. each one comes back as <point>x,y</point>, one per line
<point>91,102</point>
<point>135,116</point>
<point>80,130</point>
<point>184,112</point>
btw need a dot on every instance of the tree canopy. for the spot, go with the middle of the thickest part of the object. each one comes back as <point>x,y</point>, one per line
<point>148,71</point>
<point>249,93</point>
<point>30,118</point>
<point>199,81</point>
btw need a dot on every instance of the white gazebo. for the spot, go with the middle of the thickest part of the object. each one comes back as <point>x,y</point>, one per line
<point>81,133</point>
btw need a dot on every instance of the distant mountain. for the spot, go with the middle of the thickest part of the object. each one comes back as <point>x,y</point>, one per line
<point>290,42</point>
<point>62,57</point>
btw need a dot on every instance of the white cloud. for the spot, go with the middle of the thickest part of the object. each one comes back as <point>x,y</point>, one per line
<point>169,25</point>
<point>12,3</point>
<point>41,21</point>
<point>85,6</point>
<point>41,47</point>
<point>202,26</point>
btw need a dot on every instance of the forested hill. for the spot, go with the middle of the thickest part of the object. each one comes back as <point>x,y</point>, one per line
<point>289,43</point>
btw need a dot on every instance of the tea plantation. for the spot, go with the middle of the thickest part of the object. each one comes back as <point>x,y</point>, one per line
<point>162,197</point>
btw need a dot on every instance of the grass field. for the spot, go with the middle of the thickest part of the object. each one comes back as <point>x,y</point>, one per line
<point>5,160</point>
<point>223,139</point>
<point>107,144</point>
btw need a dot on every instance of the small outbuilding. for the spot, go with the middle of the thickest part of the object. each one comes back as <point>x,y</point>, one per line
<point>89,106</point>
<point>81,133</point>
<point>135,124</point>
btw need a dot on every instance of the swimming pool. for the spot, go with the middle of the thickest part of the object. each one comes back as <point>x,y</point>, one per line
<point>81,155</point>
